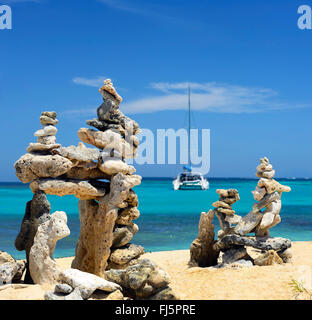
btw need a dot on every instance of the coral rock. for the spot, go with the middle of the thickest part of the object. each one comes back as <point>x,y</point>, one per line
<point>42,267</point>
<point>80,189</point>
<point>30,167</point>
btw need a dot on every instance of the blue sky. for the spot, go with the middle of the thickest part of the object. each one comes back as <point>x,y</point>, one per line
<point>248,64</point>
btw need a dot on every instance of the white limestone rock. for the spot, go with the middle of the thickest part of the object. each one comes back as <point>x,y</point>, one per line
<point>46,131</point>
<point>43,268</point>
<point>30,166</point>
<point>59,187</point>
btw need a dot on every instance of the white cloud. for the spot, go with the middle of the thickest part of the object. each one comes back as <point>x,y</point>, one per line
<point>93,82</point>
<point>205,97</point>
<point>149,10</point>
<point>20,1</point>
<point>209,97</point>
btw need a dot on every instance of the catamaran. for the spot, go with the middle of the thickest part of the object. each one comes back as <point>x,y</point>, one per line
<point>189,179</point>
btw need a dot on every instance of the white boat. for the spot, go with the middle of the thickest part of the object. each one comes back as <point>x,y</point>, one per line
<point>189,179</point>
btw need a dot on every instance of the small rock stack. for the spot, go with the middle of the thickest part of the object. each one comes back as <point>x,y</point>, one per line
<point>232,241</point>
<point>46,137</point>
<point>224,210</point>
<point>268,193</point>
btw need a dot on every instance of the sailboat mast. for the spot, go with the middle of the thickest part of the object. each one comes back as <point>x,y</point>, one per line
<point>189,124</point>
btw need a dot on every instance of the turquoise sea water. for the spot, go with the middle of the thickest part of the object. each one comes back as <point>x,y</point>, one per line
<point>169,219</point>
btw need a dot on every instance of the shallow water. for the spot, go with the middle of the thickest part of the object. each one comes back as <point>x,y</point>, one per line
<point>169,219</point>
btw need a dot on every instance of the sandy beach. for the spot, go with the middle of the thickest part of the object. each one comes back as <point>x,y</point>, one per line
<point>255,283</point>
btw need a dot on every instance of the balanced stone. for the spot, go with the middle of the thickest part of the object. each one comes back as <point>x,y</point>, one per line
<point>276,244</point>
<point>125,216</point>
<point>48,140</point>
<point>80,153</point>
<point>40,147</point>
<point>124,255</point>
<point>124,234</point>
<point>50,114</point>
<point>46,131</point>
<point>45,120</point>
<point>30,167</point>
<point>81,189</point>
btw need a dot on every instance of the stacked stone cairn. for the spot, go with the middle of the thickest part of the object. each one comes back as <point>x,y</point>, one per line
<point>234,237</point>
<point>103,182</point>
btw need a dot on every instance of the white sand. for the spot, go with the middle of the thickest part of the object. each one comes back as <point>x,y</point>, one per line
<point>258,283</point>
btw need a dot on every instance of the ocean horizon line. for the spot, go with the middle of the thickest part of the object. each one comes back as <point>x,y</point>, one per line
<point>170,178</point>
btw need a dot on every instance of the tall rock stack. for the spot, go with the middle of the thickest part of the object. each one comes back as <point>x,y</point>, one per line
<point>38,163</point>
<point>106,224</point>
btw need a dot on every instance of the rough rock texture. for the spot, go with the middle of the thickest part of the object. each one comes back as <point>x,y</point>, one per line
<point>112,166</point>
<point>83,285</point>
<point>142,280</point>
<point>269,258</point>
<point>59,187</point>
<point>31,167</point>
<point>108,140</point>
<point>5,257</point>
<point>124,255</point>
<point>97,222</point>
<point>224,212</point>
<point>107,208</point>
<point>37,213</point>
<point>276,244</point>
<point>286,255</point>
<point>42,267</point>
<point>123,234</point>
<point>234,254</point>
<point>202,251</point>
<point>11,271</point>
<point>80,153</point>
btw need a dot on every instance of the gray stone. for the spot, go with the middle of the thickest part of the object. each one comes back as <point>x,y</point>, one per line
<point>286,255</point>
<point>165,294</point>
<point>141,280</point>
<point>233,254</point>
<point>44,148</point>
<point>123,235</point>
<point>37,212</point>
<point>11,271</point>
<point>125,254</point>
<point>45,120</point>
<point>50,114</point>
<point>253,218</point>
<point>266,244</point>
<point>202,251</point>
<point>63,288</point>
